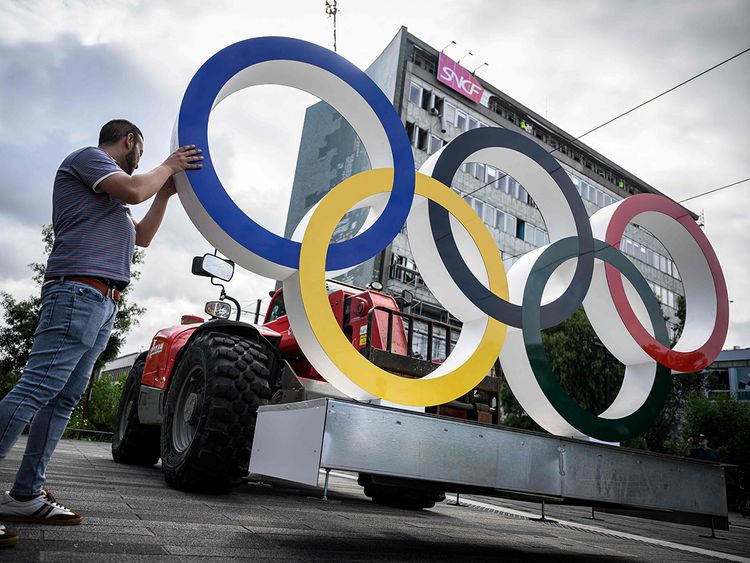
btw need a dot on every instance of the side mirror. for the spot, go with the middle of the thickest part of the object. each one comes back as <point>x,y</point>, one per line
<point>218,309</point>
<point>375,286</point>
<point>405,300</point>
<point>212,266</point>
<point>407,297</point>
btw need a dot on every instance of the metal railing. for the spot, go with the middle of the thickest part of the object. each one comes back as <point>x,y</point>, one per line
<point>405,275</point>
<point>742,396</point>
<point>409,321</point>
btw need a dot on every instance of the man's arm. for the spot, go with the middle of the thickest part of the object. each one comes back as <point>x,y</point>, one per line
<point>136,189</point>
<point>688,449</point>
<point>146,228</point>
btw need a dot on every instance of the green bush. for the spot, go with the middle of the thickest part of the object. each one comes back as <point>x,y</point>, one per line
<point>7,381</point>
<point>105,397</point>
<point>102,407</point>
<point>726,424</point>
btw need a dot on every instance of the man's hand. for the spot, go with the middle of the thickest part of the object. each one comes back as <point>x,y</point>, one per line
<point>135,189</point>
<point>184,158</point>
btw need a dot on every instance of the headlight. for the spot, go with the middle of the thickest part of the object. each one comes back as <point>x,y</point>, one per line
<point>218,309</point>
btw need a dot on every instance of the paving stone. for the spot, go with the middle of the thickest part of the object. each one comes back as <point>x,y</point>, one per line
<point>131,515</point>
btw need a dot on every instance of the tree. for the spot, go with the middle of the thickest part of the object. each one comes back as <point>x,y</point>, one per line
<point>20,317</point>
<point>16,336</point>
<point>684,385</point>
<point>726,423</point>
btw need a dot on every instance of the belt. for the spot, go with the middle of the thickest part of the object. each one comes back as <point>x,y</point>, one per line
<point>96,283</point>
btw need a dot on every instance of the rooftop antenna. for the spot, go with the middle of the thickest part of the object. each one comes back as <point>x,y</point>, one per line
<point>331,11</point>
<point>480,66</point>
<point>448,45</point>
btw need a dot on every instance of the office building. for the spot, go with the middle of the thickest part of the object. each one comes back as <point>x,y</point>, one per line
<point>436,105</point>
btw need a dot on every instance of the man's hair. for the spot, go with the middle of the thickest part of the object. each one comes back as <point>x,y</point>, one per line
<point>116,129</point>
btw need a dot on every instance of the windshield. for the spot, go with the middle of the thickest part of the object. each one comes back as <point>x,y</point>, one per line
<point>277,308</point>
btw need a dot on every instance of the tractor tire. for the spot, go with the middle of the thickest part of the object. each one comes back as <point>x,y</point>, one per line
<point>211,409</point>
<point>134,443</point>
<point>399,495</point>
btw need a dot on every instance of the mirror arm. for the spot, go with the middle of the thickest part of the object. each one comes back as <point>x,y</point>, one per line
<point>233,300</point>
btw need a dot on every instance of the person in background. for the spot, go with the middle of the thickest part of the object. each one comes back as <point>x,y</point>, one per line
<point>701,451</point>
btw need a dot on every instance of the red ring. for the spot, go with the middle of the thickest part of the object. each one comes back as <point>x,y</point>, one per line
<point>686,362</point>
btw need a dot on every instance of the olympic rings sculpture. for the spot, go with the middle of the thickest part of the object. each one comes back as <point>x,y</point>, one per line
<point>456,254</point>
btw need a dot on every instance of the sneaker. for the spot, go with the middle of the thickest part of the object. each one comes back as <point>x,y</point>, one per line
<point>43,509</point>
<point>8,537</point>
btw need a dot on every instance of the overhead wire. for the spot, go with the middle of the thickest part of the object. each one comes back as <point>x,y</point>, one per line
<point>623,114</point>
<point>713,190</point>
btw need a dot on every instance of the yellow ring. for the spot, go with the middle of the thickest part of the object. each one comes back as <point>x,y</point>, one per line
<point>396,389</point>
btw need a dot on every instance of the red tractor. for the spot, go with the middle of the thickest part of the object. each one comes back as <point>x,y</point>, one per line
<point>192,398</point>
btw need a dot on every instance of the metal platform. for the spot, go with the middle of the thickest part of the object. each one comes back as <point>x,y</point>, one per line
<point>294,441</point>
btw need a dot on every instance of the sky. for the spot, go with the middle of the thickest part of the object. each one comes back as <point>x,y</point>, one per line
<point>68,67</point>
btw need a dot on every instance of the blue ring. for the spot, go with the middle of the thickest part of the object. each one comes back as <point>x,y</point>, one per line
<point>193,129</point>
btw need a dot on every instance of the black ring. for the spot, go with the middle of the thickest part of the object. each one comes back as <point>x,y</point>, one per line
<point>446,166</point>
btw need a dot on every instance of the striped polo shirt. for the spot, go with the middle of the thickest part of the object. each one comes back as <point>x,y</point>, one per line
<point>94,234</point>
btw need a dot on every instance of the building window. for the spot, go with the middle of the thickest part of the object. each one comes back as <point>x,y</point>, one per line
<point>415,94</point>
<point>435,144</point>
<point>437,104</point>
<point>534,235</point>
<point>473,123</point>
<point>499,220</point>
<point>422,136</point>
<point>520,228</point>
<point>426,100</point>
<point>505,182</point>
<point>492,176</point>
<point>478,206</point>
<point>510,224</point>
<point>494,105</point>
<point>519,193</point>
<point>449,112</point>
<point>479,171</point>
<point>405,270</point>
<point>423,59</point>
<point>410,131</point>
<point>650,257</point>
<point>489,215</point>
<point>460,122</point>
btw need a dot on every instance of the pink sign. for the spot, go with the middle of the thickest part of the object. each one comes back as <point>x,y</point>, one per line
<point>458,78</point>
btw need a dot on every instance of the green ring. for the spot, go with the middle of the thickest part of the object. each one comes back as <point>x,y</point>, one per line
<point>605,429</point>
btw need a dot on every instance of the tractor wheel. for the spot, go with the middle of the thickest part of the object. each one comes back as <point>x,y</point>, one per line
<point>398,495</point>
<point>211,408</point>
<point>134,443</point>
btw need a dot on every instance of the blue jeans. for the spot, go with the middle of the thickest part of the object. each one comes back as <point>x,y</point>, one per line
<point>75,321</point>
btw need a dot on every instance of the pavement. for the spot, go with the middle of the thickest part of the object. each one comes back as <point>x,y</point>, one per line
<point>129,514</point>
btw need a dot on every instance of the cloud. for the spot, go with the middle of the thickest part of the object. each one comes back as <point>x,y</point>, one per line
<point>54,99</point>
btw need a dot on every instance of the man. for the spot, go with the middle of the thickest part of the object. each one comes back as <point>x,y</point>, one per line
<point>88,267</point>
<point>702,451</point>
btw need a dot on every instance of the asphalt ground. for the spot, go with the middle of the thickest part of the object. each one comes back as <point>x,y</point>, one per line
<point>129,514</point>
